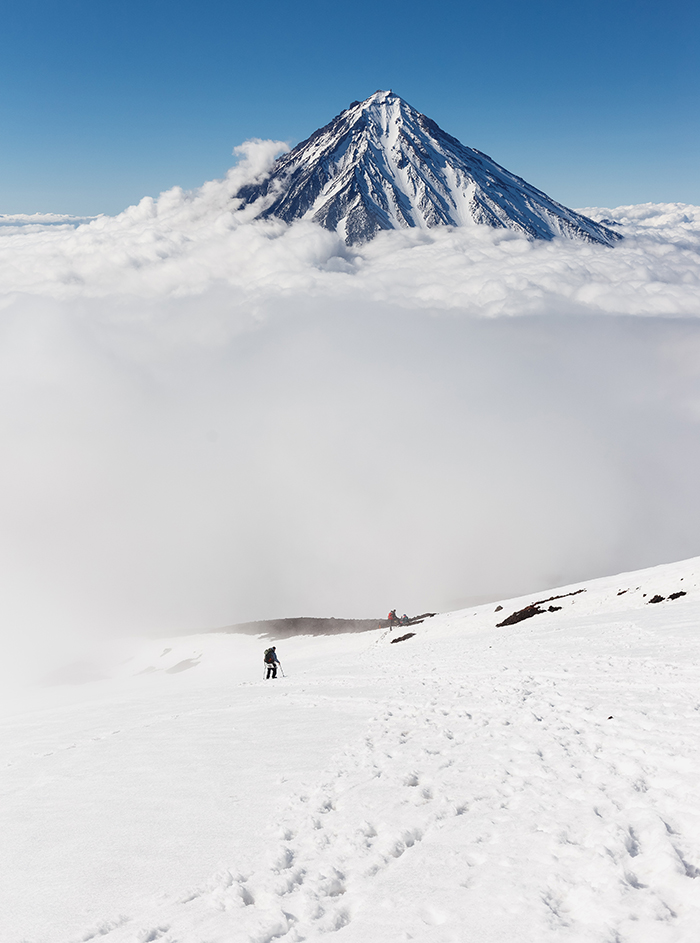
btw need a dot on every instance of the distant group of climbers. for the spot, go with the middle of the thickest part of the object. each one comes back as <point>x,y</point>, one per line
<point>396,620</point>
<point>272,662</point>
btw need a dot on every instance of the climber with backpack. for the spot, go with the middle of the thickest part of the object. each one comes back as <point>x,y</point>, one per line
<point>271,662</point>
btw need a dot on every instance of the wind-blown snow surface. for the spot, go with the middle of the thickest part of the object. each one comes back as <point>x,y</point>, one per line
<point>535,782</point>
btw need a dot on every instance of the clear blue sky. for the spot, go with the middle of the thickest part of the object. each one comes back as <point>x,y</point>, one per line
<point>101,103</point>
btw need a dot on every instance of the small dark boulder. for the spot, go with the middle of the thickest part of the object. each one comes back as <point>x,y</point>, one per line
<point>677,595</point>
<point>656,599</point>
<point>402,638</point>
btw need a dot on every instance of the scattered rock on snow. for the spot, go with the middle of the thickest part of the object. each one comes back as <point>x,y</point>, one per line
<point>658,598</point>
<point>533,609</point>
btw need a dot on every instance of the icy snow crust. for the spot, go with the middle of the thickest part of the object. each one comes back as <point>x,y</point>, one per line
<point>383,165</point>
<point>536,782</point>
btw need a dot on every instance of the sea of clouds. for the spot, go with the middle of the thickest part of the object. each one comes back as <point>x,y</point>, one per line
<point>208,418</point>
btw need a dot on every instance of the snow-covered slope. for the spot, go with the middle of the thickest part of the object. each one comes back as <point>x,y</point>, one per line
<point>381,164</point>
<point>533,781</point>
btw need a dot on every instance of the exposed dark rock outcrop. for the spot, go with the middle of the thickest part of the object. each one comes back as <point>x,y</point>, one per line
<point>534,609</point>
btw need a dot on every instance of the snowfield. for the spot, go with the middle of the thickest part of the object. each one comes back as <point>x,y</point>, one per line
<point>536,781</point>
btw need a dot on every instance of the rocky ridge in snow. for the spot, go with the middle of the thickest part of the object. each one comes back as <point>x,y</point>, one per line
<point>381,164</point>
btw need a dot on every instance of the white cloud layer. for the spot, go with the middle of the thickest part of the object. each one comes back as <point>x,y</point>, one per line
<point>209,419</point>
<point>183,244</point>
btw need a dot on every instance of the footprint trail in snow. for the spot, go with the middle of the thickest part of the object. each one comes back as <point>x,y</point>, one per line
<point>487,805</point>
<point>535,782</point>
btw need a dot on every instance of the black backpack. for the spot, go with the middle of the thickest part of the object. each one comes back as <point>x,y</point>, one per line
<point>269,656</point>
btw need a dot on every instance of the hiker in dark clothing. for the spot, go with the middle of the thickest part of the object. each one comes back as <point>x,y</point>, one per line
<point>272,661</point>
<point>393,619</point>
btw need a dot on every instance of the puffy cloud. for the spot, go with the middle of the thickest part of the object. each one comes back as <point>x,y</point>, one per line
<point>208,418</point>
<point>186,243</point>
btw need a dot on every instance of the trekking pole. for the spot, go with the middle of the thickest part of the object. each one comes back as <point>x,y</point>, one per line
<point>282,670</point>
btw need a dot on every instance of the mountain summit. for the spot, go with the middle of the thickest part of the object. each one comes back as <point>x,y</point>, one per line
<point>383,165</point>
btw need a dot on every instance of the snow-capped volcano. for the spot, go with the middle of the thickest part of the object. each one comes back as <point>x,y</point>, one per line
<point>383,165</point>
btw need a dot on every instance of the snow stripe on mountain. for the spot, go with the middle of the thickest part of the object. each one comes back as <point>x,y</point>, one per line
<point>381,164</point>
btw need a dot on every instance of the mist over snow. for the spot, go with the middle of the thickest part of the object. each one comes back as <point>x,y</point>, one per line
<point>208,418</point>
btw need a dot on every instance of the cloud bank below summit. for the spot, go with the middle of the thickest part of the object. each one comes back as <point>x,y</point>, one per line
<point>184,244</point>
<point>211,419</point>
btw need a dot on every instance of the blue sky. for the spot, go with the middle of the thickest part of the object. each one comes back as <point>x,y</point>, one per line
<point>595,102</point>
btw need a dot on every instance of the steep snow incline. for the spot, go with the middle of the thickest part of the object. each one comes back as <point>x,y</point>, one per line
<point>383,165</point>
<point>534,781</point>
